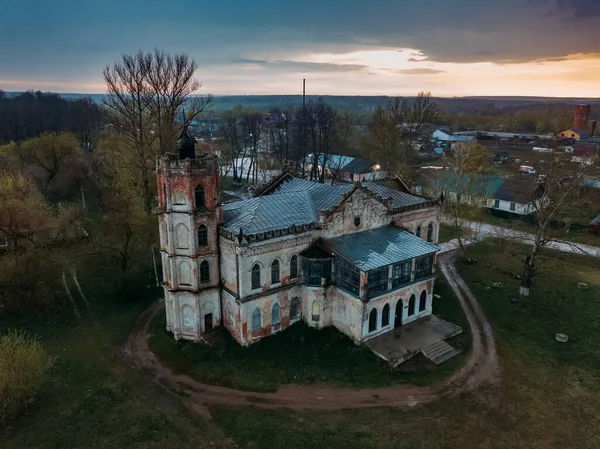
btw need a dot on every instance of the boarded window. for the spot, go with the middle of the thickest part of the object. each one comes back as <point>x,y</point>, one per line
<point>513,206</point>
<point>385,315</point>
<point>423,301</point>
<point>204,272</point>
<point>256,324</point>
<point>316,311</point>
<point>411,305</point>
<point>401,274</point>
<point>185,273</point>
<point>255,276</point>
<point>275,314</point>
<point>189,320</point>
<point>373,320</point>
<point>202,235</point>
<point>430,232</point>
<point>295,308</point>
<point>182,236</point>
<point>200,197</point>
<point>179,197</point>
<point>294,267</point>
<point>275,278</point>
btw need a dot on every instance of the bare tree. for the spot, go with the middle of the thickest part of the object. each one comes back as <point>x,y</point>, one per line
<point>145,93</point>
<point>555,196</point>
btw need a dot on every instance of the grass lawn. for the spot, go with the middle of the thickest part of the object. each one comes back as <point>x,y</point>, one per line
<point>447,233</point>
<point>92,398</point>
<point>549,397</point>
<point>301,355</point>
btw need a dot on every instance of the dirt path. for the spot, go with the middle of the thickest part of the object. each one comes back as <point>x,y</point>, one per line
<point>481,367</point>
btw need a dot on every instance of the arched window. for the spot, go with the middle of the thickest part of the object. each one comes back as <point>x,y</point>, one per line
<point>256,324</point>
<point>255,276</point>
<point>423,301</point>
<point>411,305</point>
<point>181,236</point>
<point>294,267</point>
<point>295,308</point>
<point>275,315</point>
<point>316,311</point>
<point>385,316</point>
<point>202,235</point>
<point>418,233</point>
<point>373,320</point>
<point>275,272</point>
<point>430,232</point>
<point>200,198</point>
<point>204,272</point>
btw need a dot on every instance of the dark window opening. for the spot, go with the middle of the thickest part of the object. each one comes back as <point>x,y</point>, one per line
<point>513,206</point>
<point>401,274</point>
<point>377,282</point>
<point>165,194</point>
<point>357,221</point>
<point>496,204</point>
<point>385,316</point>
<point>418,233</point>
<point>411,305</point>
<point>202,235</point>
<point>315,270</point>
<point>373,320</point>
<point>200,197</point>
<point>204,272</point>
<point>424,267</point>
<point>347,276</point>
<point>295,308</point>
<point>255,276</point>
<point>423,301</point>
<point>275,272</point>
<point>275,315</point>
<point>294,267</point>
<point>430,232</point>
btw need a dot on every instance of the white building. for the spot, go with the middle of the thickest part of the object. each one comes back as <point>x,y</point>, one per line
<point>359,257</point>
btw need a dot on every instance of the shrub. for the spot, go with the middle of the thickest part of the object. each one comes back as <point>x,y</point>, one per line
<point>24,366</point>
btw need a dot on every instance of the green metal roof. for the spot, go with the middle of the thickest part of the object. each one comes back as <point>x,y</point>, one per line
<point>379,247</point>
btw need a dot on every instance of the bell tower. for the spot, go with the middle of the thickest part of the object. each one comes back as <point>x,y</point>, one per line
<point>189,211</point>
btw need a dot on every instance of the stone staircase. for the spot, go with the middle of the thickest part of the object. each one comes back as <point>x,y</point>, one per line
<point>439,352</point>
<point>211,338</point>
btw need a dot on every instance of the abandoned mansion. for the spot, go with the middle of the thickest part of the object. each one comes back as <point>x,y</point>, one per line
<point>356,256</point>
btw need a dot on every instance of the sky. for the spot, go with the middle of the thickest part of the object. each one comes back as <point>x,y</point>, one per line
<point>341,47</point>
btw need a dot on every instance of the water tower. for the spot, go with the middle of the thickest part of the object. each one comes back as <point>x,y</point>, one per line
<point>581,114</point>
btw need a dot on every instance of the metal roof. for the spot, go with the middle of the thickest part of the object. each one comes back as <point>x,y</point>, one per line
<point>379,247</point>
<point>298,202</point>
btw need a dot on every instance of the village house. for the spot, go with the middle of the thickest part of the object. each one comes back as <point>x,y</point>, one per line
<point>358,256</point>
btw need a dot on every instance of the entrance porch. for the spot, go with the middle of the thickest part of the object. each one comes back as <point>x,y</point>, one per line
<point>424,335</point>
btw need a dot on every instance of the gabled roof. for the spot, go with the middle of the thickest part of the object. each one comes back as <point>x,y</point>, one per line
<point>358,165</point>
<point>379,247</point>
<point>583,135</point>
<point>292,202</point>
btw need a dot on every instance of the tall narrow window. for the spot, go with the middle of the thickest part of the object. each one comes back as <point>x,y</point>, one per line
<point>275,272</point>
<point>294,267</point>
<point>513,206</point>
<point>165,195</point>
<point>373,320</point>
<point>418,233</point>
<point>200,197</point>
<point>204,272</point>
<point>430,232</point>
<point>202,235</point>
<point>385,316</point>
<point>411,305</point>
<point>295,308</point>
<point>256,324</point>
<point>423,301</point>
<point>255,276</point>
<point>316,311</point>
<point>275,314</point>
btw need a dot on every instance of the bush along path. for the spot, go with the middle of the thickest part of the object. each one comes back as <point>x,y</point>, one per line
<point>481,368</point>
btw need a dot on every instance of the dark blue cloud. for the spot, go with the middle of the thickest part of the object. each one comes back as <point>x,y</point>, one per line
<point>72,40</point>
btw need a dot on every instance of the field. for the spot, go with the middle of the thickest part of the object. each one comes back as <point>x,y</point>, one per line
<point>548,399</point>
<point>302,355</point>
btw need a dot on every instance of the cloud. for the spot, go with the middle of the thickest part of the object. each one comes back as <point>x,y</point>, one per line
<point>301,66</point>
<point>423,71</point>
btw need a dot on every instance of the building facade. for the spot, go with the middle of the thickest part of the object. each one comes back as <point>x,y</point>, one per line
<point>358,256</point>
